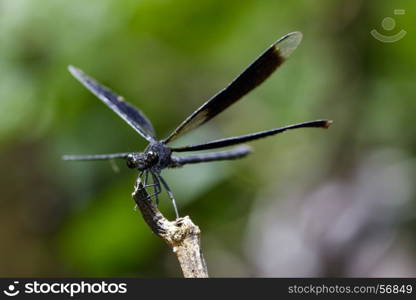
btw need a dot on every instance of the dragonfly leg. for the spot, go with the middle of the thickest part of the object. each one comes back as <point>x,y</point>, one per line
<point>156,187</point>
<point>165,185</point>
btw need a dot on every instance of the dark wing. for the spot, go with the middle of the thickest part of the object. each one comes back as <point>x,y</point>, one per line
<point>251,77</point>
<point>251,137</point>
<point>238,152</point>
<point>133,116</point>
<point>96,156</point>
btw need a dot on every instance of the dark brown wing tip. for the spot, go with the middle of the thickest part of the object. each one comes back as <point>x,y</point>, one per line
<point>328,123</point>
<point>288,43</point>
<point>74,70</point>
<point>245,148</point>
<point>79,74</point>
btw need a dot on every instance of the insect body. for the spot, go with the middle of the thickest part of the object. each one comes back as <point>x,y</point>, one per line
<point>158,155</point>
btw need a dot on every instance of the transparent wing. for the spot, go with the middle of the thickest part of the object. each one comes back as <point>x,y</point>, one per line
<point>250,78</point>
<point>133,116</point>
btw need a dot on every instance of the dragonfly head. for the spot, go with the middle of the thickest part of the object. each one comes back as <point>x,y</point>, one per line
<point>142,161</point>
<point>151,158</point>
<point>136,160</point>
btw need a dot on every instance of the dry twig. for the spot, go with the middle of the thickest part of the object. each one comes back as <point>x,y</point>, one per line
<point>182,234</point>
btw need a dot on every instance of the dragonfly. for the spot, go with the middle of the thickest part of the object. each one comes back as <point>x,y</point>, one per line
<point>158,155</point>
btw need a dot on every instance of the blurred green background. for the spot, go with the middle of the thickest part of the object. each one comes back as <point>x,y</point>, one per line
<point>337,202</point>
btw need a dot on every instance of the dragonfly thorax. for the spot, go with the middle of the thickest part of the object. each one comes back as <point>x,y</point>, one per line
<point>157,156</point>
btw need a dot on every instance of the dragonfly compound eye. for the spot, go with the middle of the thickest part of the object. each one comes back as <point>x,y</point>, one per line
<point>151,157</point>
<point>131,161</point>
